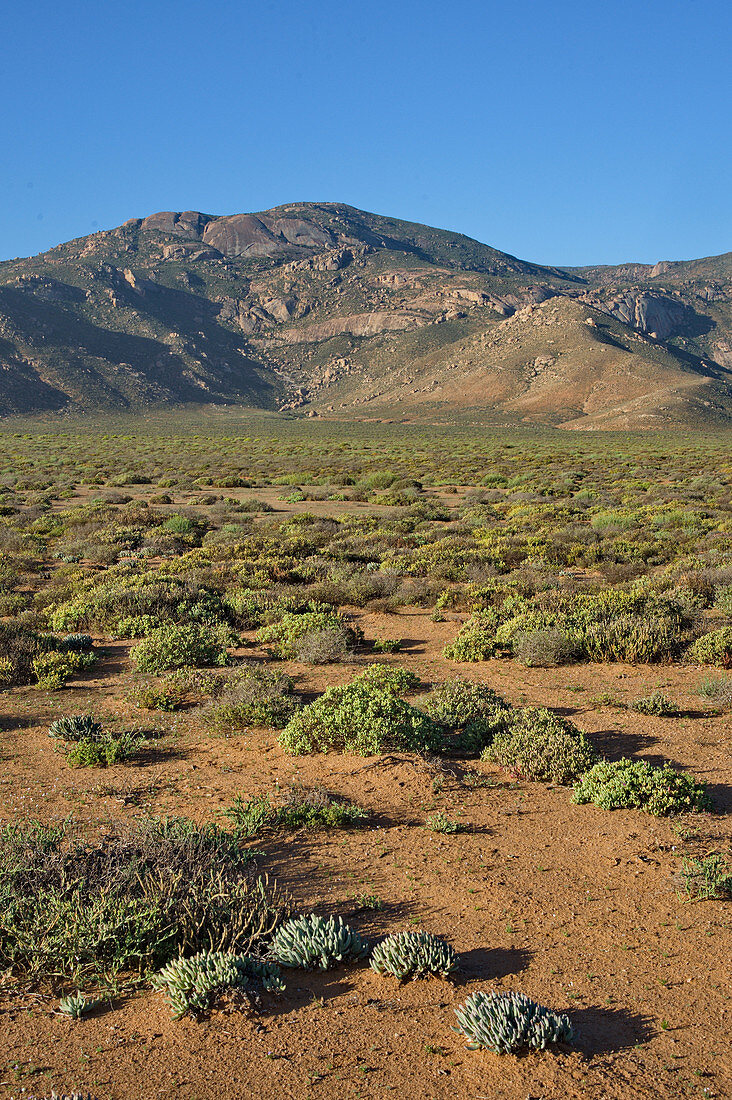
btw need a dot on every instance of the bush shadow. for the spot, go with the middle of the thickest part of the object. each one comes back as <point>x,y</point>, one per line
<point>607,1030</point>
<point>493,962</point>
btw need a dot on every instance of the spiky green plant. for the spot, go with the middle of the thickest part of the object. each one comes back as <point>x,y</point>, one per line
<point>77,1005</point>
<point>191,984</point>
<point>507,1022</point>
<point>312,941</point>
<point>439,822</point>
<point>75,727</point>
<point>413,954</point>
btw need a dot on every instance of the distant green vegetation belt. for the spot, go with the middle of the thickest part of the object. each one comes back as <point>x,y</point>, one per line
<point>48,450</point>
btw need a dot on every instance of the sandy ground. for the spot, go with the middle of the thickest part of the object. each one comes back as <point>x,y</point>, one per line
<point>576,906</point>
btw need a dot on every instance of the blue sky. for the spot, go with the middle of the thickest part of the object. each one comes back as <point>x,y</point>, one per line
<point>566,132</point>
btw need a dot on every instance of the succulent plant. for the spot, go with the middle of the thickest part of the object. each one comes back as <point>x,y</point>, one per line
<point>76,727</point>
<point>313,941</point>
<point>77,1005</point>
<point>413,954</point>
<point>78,642</point>
<point>192,983</point>
<point>506,1022</point>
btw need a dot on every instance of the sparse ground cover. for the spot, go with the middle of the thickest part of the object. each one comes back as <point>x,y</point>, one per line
<point>379,673</point>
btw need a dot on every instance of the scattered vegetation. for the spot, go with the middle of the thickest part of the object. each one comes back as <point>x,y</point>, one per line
<point>638,785</point>
<point>313,942</point>
<point>509,1022</point>
<point>539,745</point>
<point>192,984</point>
<point>74,907</point>
<point>707,877</point>
<point>413,955</point>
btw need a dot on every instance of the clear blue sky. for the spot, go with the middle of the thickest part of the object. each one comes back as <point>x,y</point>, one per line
<point>567,132</point>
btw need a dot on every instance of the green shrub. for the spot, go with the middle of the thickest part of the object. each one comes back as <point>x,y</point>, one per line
<point>317,808</point>
<point>708,877</point>
<point>389,678</point>
<point>440,823</point>
<point>103,751</point>
<point>507,1022</point>
<point>631,638</point>
<point>476,641</point>
<point>656,704</point>
<point>723,598</point>
<point>54,668</point>
<point>136,626</point>
<point>192,984</point>
<point>359,718</point>
<point>173,646</point>
<point>253,696</point>
<point>458,703</point>
<point>168,695</point>
<point>312,941</point>
<point>303,808</point>
<point>413,955</point>
<point>283,637</point>
<point>537,744</point>
<point>638,785</point>
<point>714,648</point>
<point>387,645</point>
<point>78,907</point>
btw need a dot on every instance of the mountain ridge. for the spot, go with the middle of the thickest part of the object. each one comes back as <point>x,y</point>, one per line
<point>325,309</point>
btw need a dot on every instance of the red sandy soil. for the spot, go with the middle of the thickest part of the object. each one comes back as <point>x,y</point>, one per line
<point>575,906</point>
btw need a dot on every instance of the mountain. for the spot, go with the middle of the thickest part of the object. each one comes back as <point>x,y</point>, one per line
<point>333,311</point>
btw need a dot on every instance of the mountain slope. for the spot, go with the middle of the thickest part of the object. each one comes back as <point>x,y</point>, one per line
<point>336,311</point>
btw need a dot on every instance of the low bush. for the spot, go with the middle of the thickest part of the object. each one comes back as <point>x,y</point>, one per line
<point>537,744</point>
<point>632,639</point>
<point>476,641</point>
<point>78,908</point>
<point>457,703</point>
<point>193,983</point>
<point>413,955</point>
<point>508,1022</point>
<point>324,647</point>
<point>391,678</point>
<point>168,695</point>
<point>359,718</point>
<point>87,744</point>
<point>54,668</point>
<point>544,648</point>
<point>172,646</point>
<point>714,648</point>
<point>313,942</point>
<point>253,696</point>
<point>708,877</point>
<point>303,808</point>
<point>637,785</point>
<point>284,636</point>
<point>656,704</point>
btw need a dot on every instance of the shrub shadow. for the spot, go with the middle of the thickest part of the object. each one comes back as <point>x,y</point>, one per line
<point>615,743</point>
<point>492,962</point>
<point>607,1030</point>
